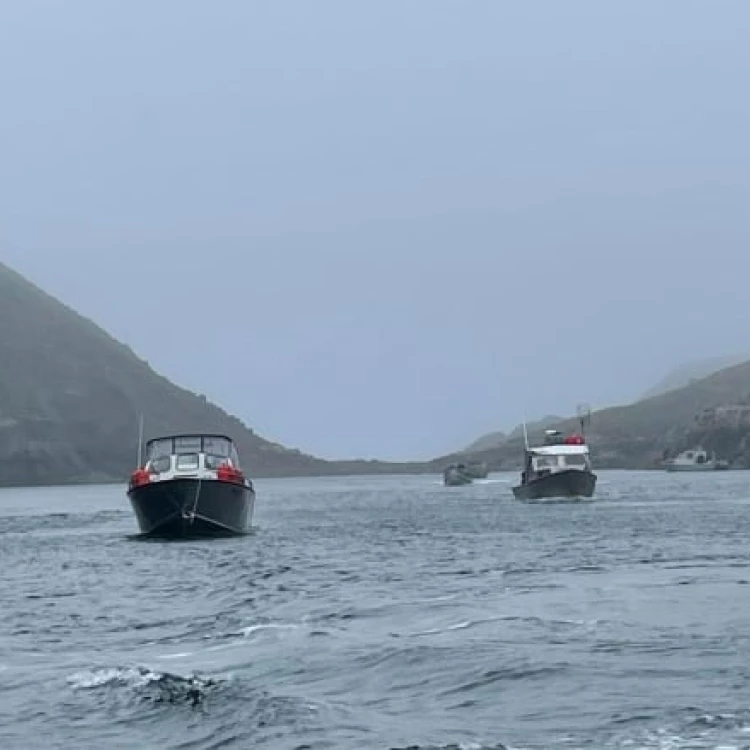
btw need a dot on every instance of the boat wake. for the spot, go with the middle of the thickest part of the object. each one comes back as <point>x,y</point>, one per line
<point>222,712</point>
<point>557,500</point>
<point>150,685</point>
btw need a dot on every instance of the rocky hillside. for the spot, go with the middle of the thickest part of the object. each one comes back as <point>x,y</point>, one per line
<point>487,442</point>
<point>724,430</point>
<point>692,371</point>
<point>639,435</point>
<point>496,439</point>
<point>70,396</point>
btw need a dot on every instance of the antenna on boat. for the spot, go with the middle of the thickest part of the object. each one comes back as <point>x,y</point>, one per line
<point>140,439</point>
<point>525,434</point>
<point>584,417</point>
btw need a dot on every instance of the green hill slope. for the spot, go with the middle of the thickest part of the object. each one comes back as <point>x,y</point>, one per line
<point>691,371</point>
<point>70,396</point>
<point>496,439</point>
<point>637,435</point>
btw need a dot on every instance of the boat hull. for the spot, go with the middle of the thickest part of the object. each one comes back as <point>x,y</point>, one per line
<point>477,471</point>
<point>456,479</point>
<point>191,507</point>
<point>695,467</point>
<point>572,483</point>
<point>453,482</point>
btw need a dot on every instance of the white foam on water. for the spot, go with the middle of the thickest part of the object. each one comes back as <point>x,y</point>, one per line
<point>250,629</point>
<point>445,598</point>
<point>448,628</point>
<point>93,678</point>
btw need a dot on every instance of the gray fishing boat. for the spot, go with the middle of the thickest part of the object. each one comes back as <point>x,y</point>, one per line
<point>560,468</point>
<point>456,475</point>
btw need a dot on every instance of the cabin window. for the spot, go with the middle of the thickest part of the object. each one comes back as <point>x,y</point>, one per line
<point>575,459</point>
<point>160,448</point>
<point>218,446</point>
<point>160,465</point>
<point>213,462</point>
<point>545,462</point>
<point>187,461</point>
<point>187,444</point>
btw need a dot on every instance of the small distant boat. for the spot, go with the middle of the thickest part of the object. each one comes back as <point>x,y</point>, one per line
<point>191,486</point>
<point>695,459</point>
<point>456,475</point>
<point>561,468</point>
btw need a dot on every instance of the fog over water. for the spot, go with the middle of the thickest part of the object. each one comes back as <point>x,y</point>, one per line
<point>382,229</point>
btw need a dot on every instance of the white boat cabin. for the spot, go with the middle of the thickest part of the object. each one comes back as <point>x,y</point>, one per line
<point>547,459</point>
<point>200,456</point>
<point>693,457</point>
<point>551,459</point>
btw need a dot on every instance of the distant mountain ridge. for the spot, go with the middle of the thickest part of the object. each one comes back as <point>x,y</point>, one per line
<point>495,439</point>
<point>487,442</point>
<point>70,396</point>
<point>690,371</point>
<point>638,435</point>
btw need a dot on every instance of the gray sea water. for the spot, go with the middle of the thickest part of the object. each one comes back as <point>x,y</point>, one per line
<point>381,613</point>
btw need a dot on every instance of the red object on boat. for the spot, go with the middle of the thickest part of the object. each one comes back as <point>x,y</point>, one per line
<point>139,477</point>
<point>574,440</point>
<point>227,473</point>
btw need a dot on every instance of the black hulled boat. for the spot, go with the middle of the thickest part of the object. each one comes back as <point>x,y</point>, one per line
<point>191,486</point>
<point>561,468</point>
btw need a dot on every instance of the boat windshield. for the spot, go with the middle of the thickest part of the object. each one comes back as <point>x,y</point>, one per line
<point>545,462</point>
<point>160,448</point>
<point>219,448</point>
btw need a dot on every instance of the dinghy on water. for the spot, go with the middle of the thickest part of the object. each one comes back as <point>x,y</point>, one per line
<point>456,475</point>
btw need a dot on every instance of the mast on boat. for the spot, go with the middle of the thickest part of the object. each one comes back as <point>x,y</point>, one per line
<point>584,417</point>
<point>525,435</point>
<point>140,439</point>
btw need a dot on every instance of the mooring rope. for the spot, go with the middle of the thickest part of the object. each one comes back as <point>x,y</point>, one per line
<point>191,514</point>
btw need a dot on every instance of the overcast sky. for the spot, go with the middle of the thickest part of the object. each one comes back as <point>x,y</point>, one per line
<point>382,228</point>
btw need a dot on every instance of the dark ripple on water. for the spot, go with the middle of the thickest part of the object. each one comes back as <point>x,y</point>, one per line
<point>383,613</point>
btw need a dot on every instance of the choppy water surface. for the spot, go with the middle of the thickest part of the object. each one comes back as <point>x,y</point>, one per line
<point>383,613</point>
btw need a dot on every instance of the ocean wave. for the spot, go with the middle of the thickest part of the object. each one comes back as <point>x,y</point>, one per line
<point>152,684</point>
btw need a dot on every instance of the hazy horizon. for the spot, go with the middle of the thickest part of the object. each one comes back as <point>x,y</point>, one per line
<point>383,230</point>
